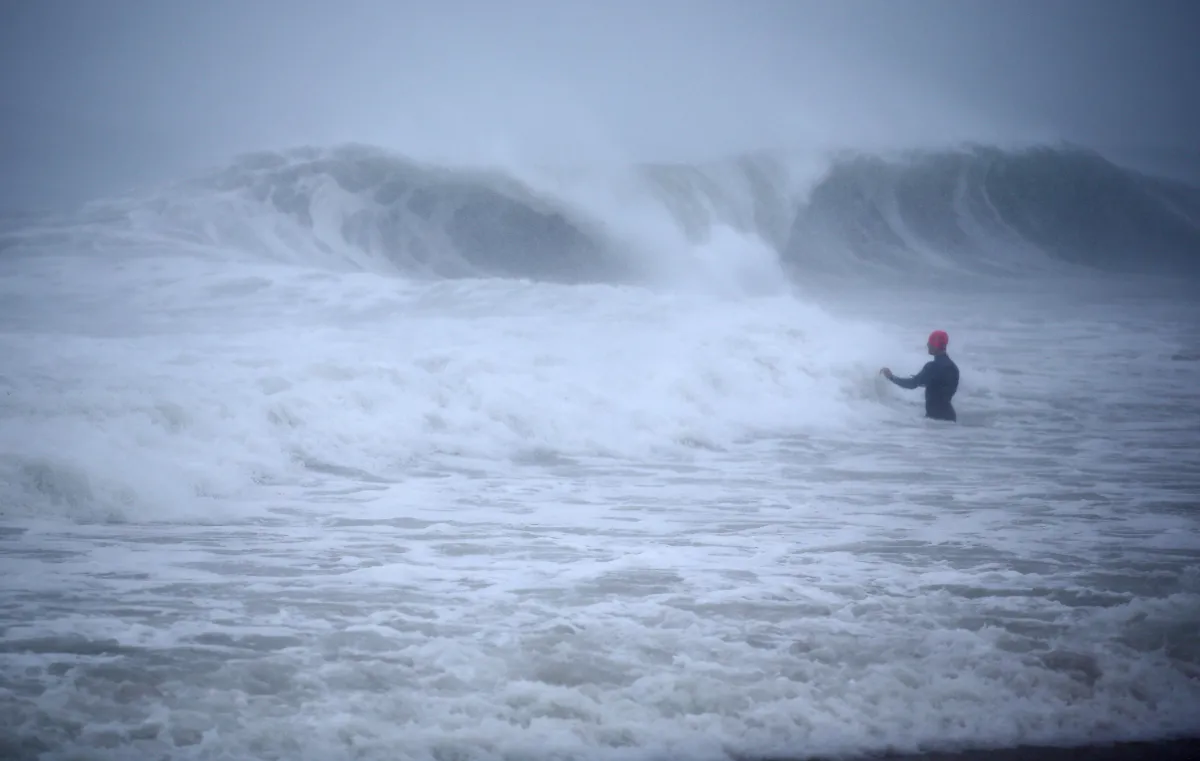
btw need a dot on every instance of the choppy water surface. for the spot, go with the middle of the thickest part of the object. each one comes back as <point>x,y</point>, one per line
<point>854,579</point>
<point>282,506</point>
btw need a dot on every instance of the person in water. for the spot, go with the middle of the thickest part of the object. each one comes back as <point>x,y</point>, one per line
<point>939,376</point>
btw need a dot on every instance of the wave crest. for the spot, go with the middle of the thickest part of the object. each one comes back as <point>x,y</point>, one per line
<point>976,209</point>
<point>988,208</point>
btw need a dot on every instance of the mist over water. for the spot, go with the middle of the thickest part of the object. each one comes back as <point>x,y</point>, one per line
<point>492,382</point>
<point>99,98</point>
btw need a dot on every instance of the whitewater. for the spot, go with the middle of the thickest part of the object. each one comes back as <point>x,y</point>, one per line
<point>334,454</point>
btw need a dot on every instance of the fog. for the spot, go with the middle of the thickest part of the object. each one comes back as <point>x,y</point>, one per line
<point>96,95</point>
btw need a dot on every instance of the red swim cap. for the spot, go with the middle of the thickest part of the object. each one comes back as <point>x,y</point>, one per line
<point>939,340</point>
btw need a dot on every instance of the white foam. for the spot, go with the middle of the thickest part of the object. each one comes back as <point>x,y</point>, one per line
<point>359,517</point>
<point>241,375</point>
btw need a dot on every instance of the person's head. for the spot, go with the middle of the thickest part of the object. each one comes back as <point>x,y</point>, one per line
<point>938,341</point>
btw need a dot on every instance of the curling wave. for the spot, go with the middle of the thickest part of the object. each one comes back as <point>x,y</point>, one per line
<point>977,209</point>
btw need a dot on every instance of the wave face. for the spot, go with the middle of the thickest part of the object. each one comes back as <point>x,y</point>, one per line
<point>990,206</point>
<point>749,219</point>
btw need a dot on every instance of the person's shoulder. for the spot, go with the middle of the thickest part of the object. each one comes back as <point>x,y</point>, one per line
<point>941,364</point>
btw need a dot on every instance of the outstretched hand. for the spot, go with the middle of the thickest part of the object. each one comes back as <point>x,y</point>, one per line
<point>886,372</point>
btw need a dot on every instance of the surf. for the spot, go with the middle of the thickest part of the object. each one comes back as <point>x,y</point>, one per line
<point>766,216</point>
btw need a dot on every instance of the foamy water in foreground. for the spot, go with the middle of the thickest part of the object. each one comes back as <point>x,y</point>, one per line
<point>266,512</point>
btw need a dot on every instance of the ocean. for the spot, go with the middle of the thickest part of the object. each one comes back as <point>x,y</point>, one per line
<point>335,454</point>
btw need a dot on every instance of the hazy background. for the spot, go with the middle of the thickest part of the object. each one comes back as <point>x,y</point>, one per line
<point>98,95</point>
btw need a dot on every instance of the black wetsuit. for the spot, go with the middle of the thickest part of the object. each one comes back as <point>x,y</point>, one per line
<point>939,376</point>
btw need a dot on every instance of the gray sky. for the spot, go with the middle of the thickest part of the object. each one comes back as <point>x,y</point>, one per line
<point>95,93</point>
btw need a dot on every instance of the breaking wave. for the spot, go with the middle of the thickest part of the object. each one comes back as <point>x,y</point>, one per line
<point>754,218</point>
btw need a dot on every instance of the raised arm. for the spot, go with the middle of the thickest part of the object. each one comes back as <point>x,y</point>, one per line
<point>916,381</point>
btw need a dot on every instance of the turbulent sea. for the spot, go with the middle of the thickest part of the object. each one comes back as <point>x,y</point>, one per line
<point>332,454</point>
